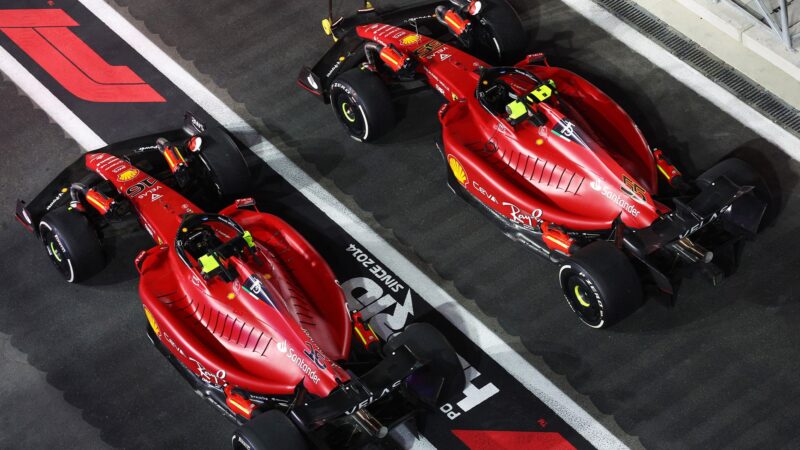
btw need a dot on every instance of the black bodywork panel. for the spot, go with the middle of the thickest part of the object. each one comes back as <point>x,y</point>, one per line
<point>141,152</point>
<point>348,51</point>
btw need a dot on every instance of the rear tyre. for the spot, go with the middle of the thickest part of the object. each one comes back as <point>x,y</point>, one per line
<point>742,174</point>
<point>362,104</point>
<point>500,35</point>
<point>225,166</point>
<point>72,244</point>
<point>600,285</point>
<point>271,430</point>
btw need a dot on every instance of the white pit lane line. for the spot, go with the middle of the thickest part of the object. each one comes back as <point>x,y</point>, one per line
<point>42,97</point>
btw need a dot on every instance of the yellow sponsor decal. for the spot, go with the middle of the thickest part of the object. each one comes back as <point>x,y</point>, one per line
<point>152,321</point>
<point>411,39</point>
<point>458,169</point>
<point>128,175</point>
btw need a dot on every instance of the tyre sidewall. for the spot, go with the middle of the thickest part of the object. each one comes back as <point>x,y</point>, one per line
<point>575,270</point>
<point>224,164</point>
<point>371,102</point>
<point>340,91</point>
<point>507,36</point>
<point>77,242</point>
<point>611,281</point>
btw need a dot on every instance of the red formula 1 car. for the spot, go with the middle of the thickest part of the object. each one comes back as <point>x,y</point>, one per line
<point>553,160</point>
<point>243,307</point>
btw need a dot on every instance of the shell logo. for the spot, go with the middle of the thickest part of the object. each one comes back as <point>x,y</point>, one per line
<point>458,169</point>
<point>128,175</point>
<point>411,39</point>
<point>152,321</point>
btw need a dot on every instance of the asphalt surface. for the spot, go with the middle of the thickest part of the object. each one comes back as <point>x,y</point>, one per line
<point>717,371</point>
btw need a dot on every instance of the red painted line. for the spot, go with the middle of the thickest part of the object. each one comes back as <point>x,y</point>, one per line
<point>69,76</point>
<point>44,36</point>
<point>89,62</point>
<point>512,440</point>
<point>28,18</point>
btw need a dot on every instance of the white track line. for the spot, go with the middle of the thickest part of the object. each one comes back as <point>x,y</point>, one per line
<point>493,345</point>
<point>688,75</point>
<point>57,111</point>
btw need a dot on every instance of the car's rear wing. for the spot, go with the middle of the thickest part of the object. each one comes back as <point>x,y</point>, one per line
<point>348,51</point>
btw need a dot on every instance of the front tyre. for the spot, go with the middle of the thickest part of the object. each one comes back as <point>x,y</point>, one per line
<point>500,34</point>
<point>225,167</point>
<point>600,285</point>
<point>72,244</point>
<point>362,103</point>
<point>271,430</point>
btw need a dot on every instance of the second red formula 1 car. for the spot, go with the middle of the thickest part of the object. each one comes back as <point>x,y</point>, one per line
<point>552,159</point>
<point>241,304</point>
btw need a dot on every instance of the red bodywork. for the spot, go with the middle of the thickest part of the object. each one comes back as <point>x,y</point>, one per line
<point>567,172</point>
<point>220,331</point>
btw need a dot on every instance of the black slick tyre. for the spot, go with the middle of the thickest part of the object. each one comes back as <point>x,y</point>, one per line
<point>271,430</point>
<point>362,103</point>
<point>600,285</point>
<point>224,163</point>
<point>72,244</point>
<point>500,34</point>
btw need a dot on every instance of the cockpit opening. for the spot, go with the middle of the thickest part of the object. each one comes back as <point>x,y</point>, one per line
<point>206,241</point>
<point>514,94</point>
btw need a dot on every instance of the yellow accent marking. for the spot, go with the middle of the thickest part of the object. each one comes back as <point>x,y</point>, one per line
<point>208,263</point>
<point>360,336</point>
<point>516,109</point>
<point>350,117</point>
<point>386,55</point>
<point>128,175</point>
<point>184,229</point>
<point>326,27</point>
<point>458,169</point>
<point>94,202</point>
<point>177,152</point>
<point>452,22</point>
<point>267,276</point>
<point>152,321</point>
<point>240,407</point>
<point>542,93</point>
<point>557,241</point>
<point>410,39</point>
<point>663,172</point>
<point>231,296</point>
<point>341,58</point>
<point>55,252</point>
<point>248,238</point>
<point>64,190</point>
<point>583,302</point>
<point>539,141</point>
